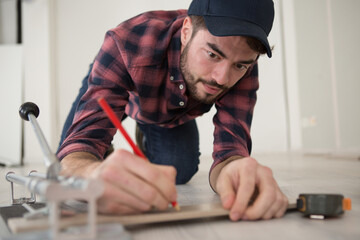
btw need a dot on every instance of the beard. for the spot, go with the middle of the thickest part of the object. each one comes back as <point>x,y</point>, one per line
<point>192,82</point>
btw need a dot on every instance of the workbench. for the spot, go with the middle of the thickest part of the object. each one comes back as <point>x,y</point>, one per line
<point>296,173</point>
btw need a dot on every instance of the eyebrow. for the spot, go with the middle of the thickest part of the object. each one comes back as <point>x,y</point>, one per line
<point>215,48</point>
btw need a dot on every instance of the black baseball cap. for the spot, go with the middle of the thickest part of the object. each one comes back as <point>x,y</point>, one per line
<point>253,18</point>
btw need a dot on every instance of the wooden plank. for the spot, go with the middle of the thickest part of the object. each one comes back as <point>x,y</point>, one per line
<point>209,210</point>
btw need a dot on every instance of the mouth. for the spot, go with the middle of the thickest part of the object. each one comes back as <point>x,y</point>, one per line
<point>210,89</point>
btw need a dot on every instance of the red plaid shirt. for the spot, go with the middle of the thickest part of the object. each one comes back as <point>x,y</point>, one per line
<point>138,72</point>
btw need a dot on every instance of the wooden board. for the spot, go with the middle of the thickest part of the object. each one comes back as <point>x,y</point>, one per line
<point>209,210</point>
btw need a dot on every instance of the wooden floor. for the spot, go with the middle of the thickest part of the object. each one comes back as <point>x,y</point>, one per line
<point>295,174</point>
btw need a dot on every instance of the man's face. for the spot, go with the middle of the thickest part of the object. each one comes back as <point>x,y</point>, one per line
<point>211,65</point>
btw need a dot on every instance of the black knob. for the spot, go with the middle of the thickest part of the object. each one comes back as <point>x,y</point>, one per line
<point>27,108</point>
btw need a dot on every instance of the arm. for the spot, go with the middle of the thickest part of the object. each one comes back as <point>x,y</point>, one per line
<point>131,184</point>
<point>235,176</point>
<point>91,131</point>
<point>80,164</point>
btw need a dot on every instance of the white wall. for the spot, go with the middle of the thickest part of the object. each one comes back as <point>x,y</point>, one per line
<point>62,37</point>
<point>79,36</point>
<point>38,74</point>
<point>270,127</point>
<point>11,79</point>
<point>10,99</point>
<point>81,27</point>
<point>328,36</point>
<point>290,67</point>
<point>7,21</point>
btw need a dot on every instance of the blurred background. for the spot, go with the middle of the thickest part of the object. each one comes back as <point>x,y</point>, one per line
<point>308,100</point>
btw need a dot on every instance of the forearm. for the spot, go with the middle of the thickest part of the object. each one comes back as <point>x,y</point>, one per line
<point>214,174</point>
<point>79,164</point>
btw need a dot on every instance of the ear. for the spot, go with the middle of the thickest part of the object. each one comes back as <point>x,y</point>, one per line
<point>186,31</point>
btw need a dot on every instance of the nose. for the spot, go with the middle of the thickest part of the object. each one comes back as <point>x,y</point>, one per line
<point>220,74</point>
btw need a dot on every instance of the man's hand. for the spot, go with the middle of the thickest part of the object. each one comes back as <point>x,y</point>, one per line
<point>236,184</point>
<point>131,184</point>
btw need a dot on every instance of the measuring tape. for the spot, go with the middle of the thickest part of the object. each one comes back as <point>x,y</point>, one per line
<point>319,206</point>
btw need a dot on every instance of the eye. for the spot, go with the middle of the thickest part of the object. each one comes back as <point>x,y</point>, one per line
<point>212,55</point>
<point>241,67</point>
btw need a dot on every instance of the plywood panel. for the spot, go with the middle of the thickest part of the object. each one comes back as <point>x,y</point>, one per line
<point>206,210</point>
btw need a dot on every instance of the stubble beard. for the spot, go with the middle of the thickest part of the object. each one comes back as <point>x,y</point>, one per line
<point>191,82</point>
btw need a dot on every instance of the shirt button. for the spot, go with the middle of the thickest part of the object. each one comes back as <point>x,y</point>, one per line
<point>171,78</point>
<point>181,86</point>
<point>181,103</point>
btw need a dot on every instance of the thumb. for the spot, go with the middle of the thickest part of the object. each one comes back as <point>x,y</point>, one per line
<point>170,173</point>
<point>226,191</point>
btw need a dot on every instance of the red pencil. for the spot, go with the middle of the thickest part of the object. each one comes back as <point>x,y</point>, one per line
<point>117,123</point>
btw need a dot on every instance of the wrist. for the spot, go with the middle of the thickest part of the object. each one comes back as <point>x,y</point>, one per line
<point>215,172</point>
<point>81,164</point>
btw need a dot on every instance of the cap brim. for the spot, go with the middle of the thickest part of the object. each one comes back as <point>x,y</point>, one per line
<point>225,26</point>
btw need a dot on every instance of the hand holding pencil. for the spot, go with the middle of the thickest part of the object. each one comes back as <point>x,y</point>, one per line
<point>160,191</point>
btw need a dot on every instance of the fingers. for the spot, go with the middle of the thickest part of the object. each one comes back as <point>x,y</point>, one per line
<point>226,191</point>
<point>271,202</point>
<point>265,201</point>
<point>245,191</point>
<point>139,190</point>
<point>158,181</point>
<point>116,201</point>
<point>244,176</point>
<point>135,185</point>
<point>278,209</point>
<point>170,172</point>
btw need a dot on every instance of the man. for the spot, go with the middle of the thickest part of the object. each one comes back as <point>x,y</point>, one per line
<point>164,69</point>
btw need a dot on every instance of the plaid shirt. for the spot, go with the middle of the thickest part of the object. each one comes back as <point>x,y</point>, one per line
<point>138,72</point>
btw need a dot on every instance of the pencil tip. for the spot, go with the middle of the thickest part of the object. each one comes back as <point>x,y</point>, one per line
<point>176,206</point>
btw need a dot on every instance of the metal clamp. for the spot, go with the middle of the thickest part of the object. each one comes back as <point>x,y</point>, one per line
<point>21,200</point>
